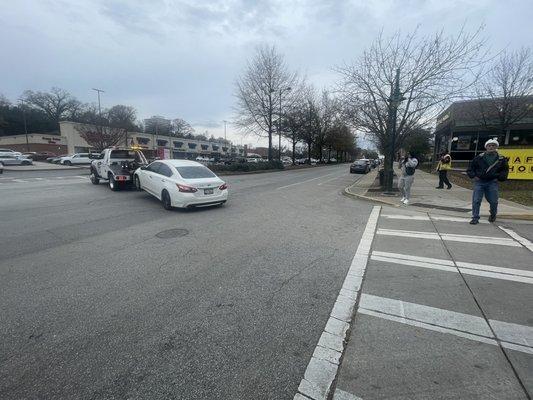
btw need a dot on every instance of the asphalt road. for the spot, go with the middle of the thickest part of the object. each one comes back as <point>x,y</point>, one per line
<point>94,305</point>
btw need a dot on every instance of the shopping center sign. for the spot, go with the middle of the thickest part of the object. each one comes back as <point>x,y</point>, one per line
<point>520,162</point>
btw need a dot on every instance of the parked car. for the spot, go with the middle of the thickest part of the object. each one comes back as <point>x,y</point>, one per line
<point>359,166</point>
<point>78,158</point>
<point>9,152</point>
<point>55,159</point>
<point>43,155</point>
<point>1,167</point>
<point>181,183</point>
<point>6,159</point>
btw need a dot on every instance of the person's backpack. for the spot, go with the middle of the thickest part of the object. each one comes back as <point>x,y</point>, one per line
<point>411,170</point>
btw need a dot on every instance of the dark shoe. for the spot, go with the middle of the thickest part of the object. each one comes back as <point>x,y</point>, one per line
<point>439,187</point>
<point>474,222</point>
<point>492,218</point>
<point>449,187</point>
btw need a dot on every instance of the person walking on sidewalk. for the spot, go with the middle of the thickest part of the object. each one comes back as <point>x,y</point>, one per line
<point>407,176</point>
<point>486,169</point>
<point>444,165</point>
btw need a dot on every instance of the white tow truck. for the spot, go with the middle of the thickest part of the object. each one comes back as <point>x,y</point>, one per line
<point>116,165</point>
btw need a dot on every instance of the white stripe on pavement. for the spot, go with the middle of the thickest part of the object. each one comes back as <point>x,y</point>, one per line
<point>414,258</point>
<point>323,366</point>
<point>526,243</point>
<point>431,217</point>
<point>308,180</point>
<point>476,272</point>
<point>515,336</point>
<point>450,237</point>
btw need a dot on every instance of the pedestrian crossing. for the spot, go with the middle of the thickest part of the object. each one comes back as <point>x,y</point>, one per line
<point>446,294</point>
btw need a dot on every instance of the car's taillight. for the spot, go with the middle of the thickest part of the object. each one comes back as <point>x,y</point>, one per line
<point>186,189</point>
<point>223,186</point>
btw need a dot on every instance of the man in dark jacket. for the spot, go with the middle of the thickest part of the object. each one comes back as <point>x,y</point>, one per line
<point>486,170</point>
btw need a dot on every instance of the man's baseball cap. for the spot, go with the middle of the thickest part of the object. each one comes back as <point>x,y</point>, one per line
<point>492,141</point>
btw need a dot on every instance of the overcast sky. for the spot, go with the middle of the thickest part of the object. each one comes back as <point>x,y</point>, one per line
<point>180,58</point>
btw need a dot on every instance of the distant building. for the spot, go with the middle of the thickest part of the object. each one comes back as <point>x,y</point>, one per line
<point>460,133</point>
<point>69,141</point>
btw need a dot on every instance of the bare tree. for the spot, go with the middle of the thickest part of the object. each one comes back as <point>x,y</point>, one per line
<point>504,93</point>
<point>181,128</point>
<point>121,116</point>
<point>97,132</point>
<point>259,91</point>
<point>56,104</point>
<point>433,70</point>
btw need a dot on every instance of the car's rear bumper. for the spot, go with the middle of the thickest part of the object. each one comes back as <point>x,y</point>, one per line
<point>192,201</point>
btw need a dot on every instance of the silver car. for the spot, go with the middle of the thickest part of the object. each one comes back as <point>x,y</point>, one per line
<point>8,159</point>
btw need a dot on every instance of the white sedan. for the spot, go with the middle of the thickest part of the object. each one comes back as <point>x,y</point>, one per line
<point>181,183</point>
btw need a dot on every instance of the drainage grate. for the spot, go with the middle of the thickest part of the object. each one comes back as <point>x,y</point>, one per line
<point>172,233</point>
<point>441,207</point>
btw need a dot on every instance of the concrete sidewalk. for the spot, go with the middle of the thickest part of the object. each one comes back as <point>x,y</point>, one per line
<point>43,166</point>
<point>424,197</point>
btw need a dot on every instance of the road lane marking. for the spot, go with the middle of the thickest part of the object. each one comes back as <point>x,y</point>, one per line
<point>515,336</point>
<point>323,366</point>
<point>20,181</point>
<point>431,217</point>
<point>467,265</point>
<point>308,180</point>
<point>526,243</point>
<point>476,272</point>
<point>450,237</point>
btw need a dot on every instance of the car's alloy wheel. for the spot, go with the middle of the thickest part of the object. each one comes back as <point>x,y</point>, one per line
<point>113,185</point>
<point>68,163</point>
<point>94,179</point>
<point>165,199</point>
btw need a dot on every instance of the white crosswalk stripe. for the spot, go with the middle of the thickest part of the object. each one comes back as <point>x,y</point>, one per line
<point>513,336</point>
<point>487,271</point>
<point>449,237</point>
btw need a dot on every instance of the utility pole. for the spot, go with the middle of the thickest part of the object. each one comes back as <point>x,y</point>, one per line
<point>288,89</point>
<point>394,102</point>
<point>25,125</point>
<point>99,106</point>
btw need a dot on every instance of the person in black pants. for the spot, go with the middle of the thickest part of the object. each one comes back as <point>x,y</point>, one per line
<point>445,164</point>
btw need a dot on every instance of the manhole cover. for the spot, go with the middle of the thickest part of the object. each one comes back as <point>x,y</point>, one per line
<point>172,233</point>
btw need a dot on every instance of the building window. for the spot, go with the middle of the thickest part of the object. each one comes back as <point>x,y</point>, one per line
<point>161,142</point>
<point>215,147</point>
<point>191,145</point>
<point>224,149</point>
<point>142,140</point>
<point>241,151</point>
<point>204,146</point>
<point>178,144</point>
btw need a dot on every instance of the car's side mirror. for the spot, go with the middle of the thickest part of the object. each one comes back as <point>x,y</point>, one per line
<point>143,168</point>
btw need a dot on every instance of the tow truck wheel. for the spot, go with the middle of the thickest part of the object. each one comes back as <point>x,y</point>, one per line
<point>165,199</point>
<point>94,178</point>
<point>138,183</point>
<point>113,184</point>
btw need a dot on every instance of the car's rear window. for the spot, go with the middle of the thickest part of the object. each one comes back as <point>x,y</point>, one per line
<point>194,172</point>
<point>122,154</point>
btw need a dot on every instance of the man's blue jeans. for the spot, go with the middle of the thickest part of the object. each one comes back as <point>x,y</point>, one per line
<point>490,190</point>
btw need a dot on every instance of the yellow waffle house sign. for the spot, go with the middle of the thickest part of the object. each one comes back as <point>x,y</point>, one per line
<point>520,162</point>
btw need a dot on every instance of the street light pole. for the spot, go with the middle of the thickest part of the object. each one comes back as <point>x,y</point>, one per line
<point>394,101</point>
<point>25,125</point>
<point>99,107</point>
<point>288,89</point>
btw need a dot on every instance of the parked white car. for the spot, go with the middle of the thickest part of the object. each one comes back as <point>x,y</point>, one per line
<point>9,152</point>
<point>10,159</point>
<point>181,183</point>
<point>78,158</point>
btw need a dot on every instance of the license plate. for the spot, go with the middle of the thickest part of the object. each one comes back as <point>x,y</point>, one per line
<point>208,191</point>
